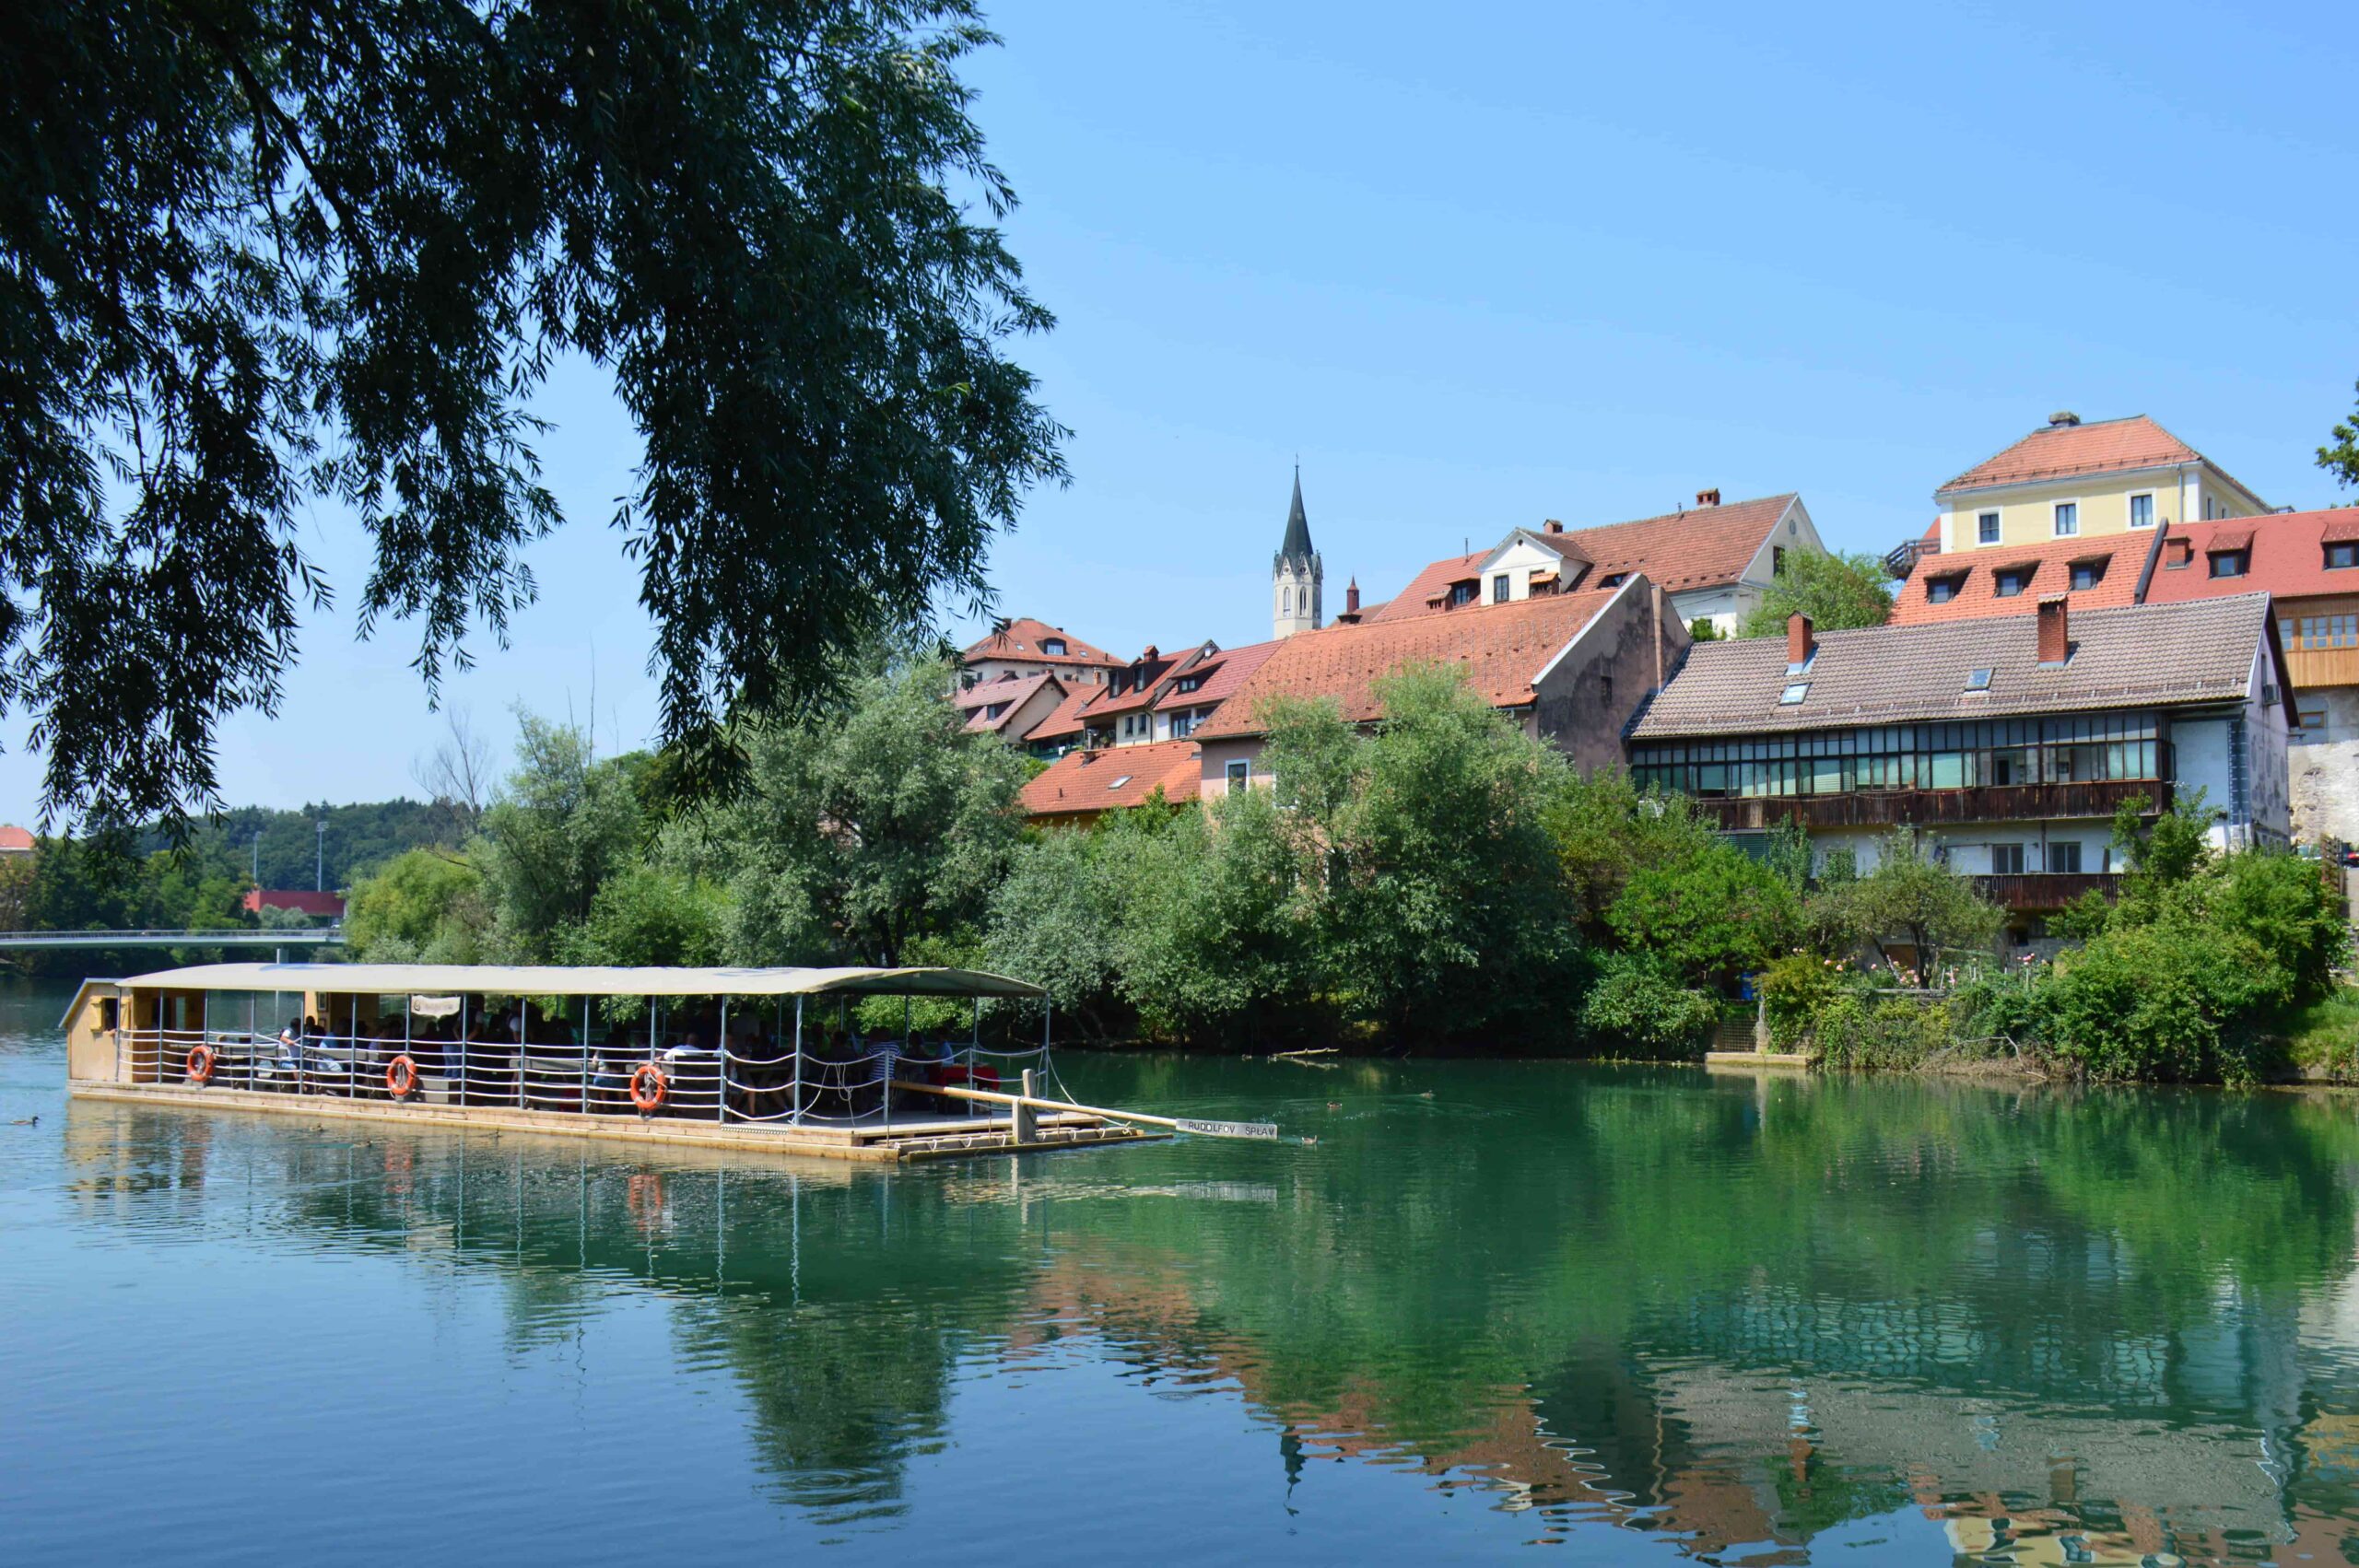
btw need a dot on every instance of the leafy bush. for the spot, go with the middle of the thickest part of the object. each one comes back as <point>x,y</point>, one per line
<point>1880,1030</point>
<point>1794,991</point>
<point>1709,915</point>
<point>2172,1000</point>
<point>1636,1008</point>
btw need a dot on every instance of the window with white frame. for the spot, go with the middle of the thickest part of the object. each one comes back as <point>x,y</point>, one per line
<point>1239,773</point>
<point>2067,519</point>
<point>1986,529</point>
<point>2141,511</point>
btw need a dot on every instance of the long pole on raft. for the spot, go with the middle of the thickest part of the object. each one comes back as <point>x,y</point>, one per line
<point>797,1118</point>
<point>1256,1130</point>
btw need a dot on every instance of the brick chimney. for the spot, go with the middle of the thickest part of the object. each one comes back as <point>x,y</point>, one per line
<point>2177,550</point>
<point>1352,598</point>
<point>1708,497</point>
<point>1799,646</point>
<point>1553,526</point>
<point>2055,631</point>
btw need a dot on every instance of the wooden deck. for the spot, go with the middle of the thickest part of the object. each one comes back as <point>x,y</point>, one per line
<point>905,1140</point>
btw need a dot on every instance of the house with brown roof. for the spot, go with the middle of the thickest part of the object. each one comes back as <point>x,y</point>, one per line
<point>2008,740</point>
<point>1023,646</point>
<point>1713,561</point>
<point>2076,479</point>
<point>2306,562</point>
<point>15,840</point>
<point>1010,706</point>
<point>1571,668</point>
<point>1084,784</point>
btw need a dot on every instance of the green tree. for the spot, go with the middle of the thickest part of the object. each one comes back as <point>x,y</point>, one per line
<point>1439,911</point>
<point>2342,458</point>
<point>2283,904</point>
<point>1709,915</point>
<point>423,907</point>
<point>864,830</point>
<point>1054,919</point>
<point>647,912</point>
<point>1835,590</point>
<point>565,821</point>
<point>1911,896</point>
<point>255,255</point>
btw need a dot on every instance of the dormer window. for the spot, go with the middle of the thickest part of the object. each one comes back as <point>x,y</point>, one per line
<point>2010,581</point>
<point>1054,647</point>
<point>2230,563</point>
<point>2342,553</point>
<point>1613,581</point>
<point>1461,593</point>
<point>1942,589</point>
<point>2088,574</point>
<point>1189,682</point>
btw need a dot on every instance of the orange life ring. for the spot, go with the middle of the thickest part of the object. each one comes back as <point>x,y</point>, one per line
<point>648,1087</point>
<point>401,1078</point>
<point>199,1066</point>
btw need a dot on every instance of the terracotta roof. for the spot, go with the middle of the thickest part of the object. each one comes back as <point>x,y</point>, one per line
<point>1081,782</point>
<point>1223,672</point>
<point>1064,720</point>
<point>977,700</point>
<point>2136,656</point>
<point>2287,557</point>
<point>2059,452</point>
<point>15,840</point>
<point>1503,646</point>
<point>310,903</point>
<point>1975,575</point>
<point>1022,639</point>
<point>1151,675</point>
<point>1436,579</point>
<point>1698,548</point>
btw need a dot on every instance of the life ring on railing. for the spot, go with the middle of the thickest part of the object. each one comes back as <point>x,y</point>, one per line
<point>401,1078</point>
<point>648,1087</point>
<point>199,1066</point>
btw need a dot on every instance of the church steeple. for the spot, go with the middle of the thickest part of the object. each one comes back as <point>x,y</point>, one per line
<point>1296,575</point>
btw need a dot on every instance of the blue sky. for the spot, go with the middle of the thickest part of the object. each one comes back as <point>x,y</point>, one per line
<point>1486,265</point>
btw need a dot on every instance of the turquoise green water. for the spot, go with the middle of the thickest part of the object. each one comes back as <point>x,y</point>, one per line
<point>1624,1315</point>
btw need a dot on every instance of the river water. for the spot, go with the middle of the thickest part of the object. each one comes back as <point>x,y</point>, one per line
<point>1629,1315</point>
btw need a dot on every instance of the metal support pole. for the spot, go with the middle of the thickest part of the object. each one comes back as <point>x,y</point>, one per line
<point>409,1023</point>
<point>797,1118</point>
<point>250,1046</point>
<point>523,1033</point>
<point>721,1068</point>
<point>583,1101</point>
<point>464,1053</point>
<point>204,1028</point>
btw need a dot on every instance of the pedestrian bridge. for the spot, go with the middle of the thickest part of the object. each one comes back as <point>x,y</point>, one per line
<point>230,936</point>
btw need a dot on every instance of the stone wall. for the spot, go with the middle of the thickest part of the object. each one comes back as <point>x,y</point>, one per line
<point>2324,765</point>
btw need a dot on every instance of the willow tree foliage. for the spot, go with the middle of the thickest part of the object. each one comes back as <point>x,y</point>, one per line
<point>260,258</point>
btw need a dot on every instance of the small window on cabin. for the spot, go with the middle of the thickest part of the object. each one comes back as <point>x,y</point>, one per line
<point>111,1007</point>
<point>2342,553</point>
<point>1794,692</point>
<point>1978,680</point>
<point>2088,574</point>
<point>2229,563</point>
<point>1986,529</point>
<point>1054,647</point>
<point>2011,583</point>
<point>1942,589</point>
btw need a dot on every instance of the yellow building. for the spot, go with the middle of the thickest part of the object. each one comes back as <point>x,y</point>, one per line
<point>2070,479</point>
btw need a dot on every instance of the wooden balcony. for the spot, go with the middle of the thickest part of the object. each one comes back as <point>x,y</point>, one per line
<point>2044,892</point>
<point>1935,808</point>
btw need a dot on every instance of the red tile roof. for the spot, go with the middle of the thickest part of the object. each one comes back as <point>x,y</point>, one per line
<point>2059,452</point>
<point>1976,574</point>
<point>1022,639</point>
<point>1223,672</point>
<point>1148,678</point>
<point>1699,548</point>
<point>260,899</point>
<point>977,700</point>
<point>1081,783</point>
<point>15,840</point>
<point>1703,547</point>
<point>1503,648</point>
<point>1064,720</point>
<point>2287,557</point>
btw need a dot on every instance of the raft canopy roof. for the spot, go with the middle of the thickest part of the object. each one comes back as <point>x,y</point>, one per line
<point>543,979</point>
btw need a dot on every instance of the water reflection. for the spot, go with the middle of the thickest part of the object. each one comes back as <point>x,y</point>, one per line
<point>1769,1322</point>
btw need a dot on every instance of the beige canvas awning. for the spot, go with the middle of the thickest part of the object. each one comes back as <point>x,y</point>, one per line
<point>534,980</point>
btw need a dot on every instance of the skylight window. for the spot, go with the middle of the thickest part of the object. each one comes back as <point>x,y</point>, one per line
<point>1794,692</point>
<point>1979,681</point>
<point>1125,778</point>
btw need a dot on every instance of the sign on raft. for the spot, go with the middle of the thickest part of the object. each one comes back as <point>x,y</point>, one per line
<point>1229,1129</point>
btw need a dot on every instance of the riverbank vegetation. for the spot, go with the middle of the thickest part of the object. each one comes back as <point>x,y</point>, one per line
<point>1439,881</point>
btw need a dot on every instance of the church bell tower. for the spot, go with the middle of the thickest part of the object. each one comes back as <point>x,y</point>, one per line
<point>1297,577</point>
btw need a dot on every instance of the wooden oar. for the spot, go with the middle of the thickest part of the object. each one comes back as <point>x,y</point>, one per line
<point>1260,1130</point>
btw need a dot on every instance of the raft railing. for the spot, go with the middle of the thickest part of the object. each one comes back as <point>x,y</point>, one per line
<point>773,1082</point>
